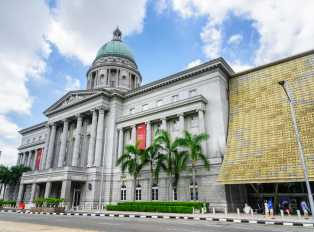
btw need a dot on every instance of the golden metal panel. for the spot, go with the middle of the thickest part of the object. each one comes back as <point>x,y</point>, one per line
<point>261,144</point>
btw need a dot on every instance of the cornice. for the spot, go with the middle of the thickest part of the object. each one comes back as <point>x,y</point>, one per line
<point>219,63</point>
<point>31,144</point>
<point>172,105</point>
<point>33,128</point>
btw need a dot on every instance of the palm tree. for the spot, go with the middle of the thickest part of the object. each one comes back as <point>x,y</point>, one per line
<point>169,150</point>
<point>129,161</point>
<point>151,155</point>
<point>194,145</point>
<point>4,177</point>
<point>16,174</point>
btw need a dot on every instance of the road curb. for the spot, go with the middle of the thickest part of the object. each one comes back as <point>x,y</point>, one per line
<point>246,221</point>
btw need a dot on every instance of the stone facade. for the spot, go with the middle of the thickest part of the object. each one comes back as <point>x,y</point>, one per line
<point>72,140</point>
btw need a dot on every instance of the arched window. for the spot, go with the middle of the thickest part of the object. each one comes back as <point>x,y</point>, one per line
<point>123,193</point>
<point>191,191</point>
<point>138,196</point>
<point>155,192</point>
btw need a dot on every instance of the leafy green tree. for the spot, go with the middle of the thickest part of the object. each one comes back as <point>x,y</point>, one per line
<point>150,155</point>
<point>129,162</point>
<point>4,177</point>
<point>194,145</point>
<point>169,149</point>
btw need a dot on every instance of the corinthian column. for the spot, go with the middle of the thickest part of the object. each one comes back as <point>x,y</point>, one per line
<point>23,160</point>
<point>63,142</point>
<point>201,126</point>
<point>51,145</point>
<point>35,160</point>
<point>44,155</point>
<point>120,148</point>
<point>181,122</point>
<point>134,134</point>
<point>77,140</point>
<point>148,134</point>
<point>29,159</point>
<point>100,136</point>
<point>164,123</point>
<point>92,140</point>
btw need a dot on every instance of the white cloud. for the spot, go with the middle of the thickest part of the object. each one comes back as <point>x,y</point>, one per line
<point>237,66</point>
<point>81,27</point>
<point>280,33</point>
<point>235,39</point>
<point>193,64</point>
<point>8,129</point>
<point>161,6</point>
<point>72,84</point>
<point>8,153</point>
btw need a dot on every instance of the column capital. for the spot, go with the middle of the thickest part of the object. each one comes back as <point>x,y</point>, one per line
<point>93,110</point>
<point>164,118</point>
<point>120,129</point>
<point>148,122</point>
<point>79,117</point>
<point>181,114</point>
<point>133,126</point>
<point>47,126</point>
<point>65,120</point>
<point>53,124</point>
<point>101,109</point>
<point>200,109</point>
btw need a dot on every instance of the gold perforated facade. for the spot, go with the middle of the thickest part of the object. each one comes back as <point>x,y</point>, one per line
<point>262,145</point>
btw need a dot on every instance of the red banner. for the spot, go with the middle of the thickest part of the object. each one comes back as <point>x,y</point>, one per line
<point>141,134</point>
<point>38,158</point>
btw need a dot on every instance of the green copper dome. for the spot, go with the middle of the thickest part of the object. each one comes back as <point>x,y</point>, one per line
<point>116,48</point>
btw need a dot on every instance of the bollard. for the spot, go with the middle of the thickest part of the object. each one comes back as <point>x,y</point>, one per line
<point>299,214</point>
<point>66,208</point>
<point>214,212</point>
<point>193,210</point>
<point>203,211</point>
<point>83,207</point>
<point>97,206</point>
<point>238,211</point>
<point>226,211</point>
<point>252,213</point>
<point>102,207</point>
<point>282,213</point>
<point>72,207</point>
<point>90,207</point>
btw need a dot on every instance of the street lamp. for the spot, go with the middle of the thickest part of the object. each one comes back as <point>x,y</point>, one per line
<point>103,167</point>
<point>282,83</point>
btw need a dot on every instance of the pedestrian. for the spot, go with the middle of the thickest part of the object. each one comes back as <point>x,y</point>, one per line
<point>280,207</point>
<point>259,209</point>
<point>305,209</point>
<point>247,208</point>
<point>287,207</point>
<point>271,208</point>
<point>266,208</point>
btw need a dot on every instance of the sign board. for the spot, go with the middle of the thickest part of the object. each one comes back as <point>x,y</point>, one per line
<point>141,134</point>
<point>38,158</point>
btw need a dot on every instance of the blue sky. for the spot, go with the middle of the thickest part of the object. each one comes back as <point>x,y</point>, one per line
<point>47,46</point>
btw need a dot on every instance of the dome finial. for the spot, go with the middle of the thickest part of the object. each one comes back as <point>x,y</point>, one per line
<point>117,34</point>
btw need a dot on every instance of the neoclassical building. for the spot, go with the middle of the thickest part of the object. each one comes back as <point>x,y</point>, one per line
<point>86,126</point>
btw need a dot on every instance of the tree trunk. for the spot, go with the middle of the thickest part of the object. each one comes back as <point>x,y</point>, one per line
<point>16,191</point>
<point>193,172</point>
<point>5,186</point>
<point>151,181</point>
<point>1,188</point>
<point>134,186</point>
<point>170,187</point>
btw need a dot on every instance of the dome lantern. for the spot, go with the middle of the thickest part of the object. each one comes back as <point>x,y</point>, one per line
<point>117,35</point>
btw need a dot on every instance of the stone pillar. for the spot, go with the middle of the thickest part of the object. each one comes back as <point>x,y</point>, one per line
<point>100,136</point>
<point>109,79</point>
<point>63,142</point>
<point>24,157</point>
<point>37,192</point>
<point>92,140</point>
<point>19,158</point>
<point>47,190</point>
<point>29,159</point>
<point>66,190</point>
<point>51,146</point>
<point>44,155</point>
<point>181,122</point>
<point>33,191</point>
<point>21,194</point>
<point>118,77</point>
<point>35,160</point>
<point>164,123</point>
<point>201,126</point>
<point>148,134</point>
<point>120,148</point>
<point>133,134</point>
<point>76,150</point>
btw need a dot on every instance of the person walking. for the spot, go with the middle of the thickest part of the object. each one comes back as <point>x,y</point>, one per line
<point>266,208</point>
<point>305,209</point>
<point>287,207</point>
<point>271,208</point>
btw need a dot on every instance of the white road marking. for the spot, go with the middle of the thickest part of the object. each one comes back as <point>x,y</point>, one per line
<point>110,224</point>
<point>246,228</point>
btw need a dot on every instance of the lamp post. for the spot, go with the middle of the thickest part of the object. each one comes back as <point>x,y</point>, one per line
<point>282,83</point>
<point>103,167</point>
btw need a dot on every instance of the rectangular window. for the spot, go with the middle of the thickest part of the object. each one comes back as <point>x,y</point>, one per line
<point>132,111</point>
<point>138,196</point>
<point>113,83</point>
<point>159,103</point>
<point>193,93</point>
<point>130,135</point>
<point>196,191</point>
<point>123,194</point>
<point>145,107</point>
<point>175,98</point>
<point>194,121</point>
<point>39,138</point>
<point>155,194</point>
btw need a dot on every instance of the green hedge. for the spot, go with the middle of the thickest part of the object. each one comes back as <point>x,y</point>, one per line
<point>151,208</point>
<point>8,203</point>
<point>196,205</point>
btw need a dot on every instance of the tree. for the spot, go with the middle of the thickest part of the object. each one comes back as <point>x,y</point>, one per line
<point>150,155</point>
<point>169,151</point>
<point>16,174</point>
<point>194,145</point>
<point>129,160</point>
<point>4,177</point>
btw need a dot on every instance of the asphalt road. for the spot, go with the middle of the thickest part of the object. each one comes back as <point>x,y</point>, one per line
<point>113,224</point>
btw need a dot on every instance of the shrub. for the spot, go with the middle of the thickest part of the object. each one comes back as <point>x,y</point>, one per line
<point>8,203</point>
<point>151,208</point>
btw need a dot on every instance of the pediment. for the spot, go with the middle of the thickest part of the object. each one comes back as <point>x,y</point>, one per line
<point>71,98</point>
